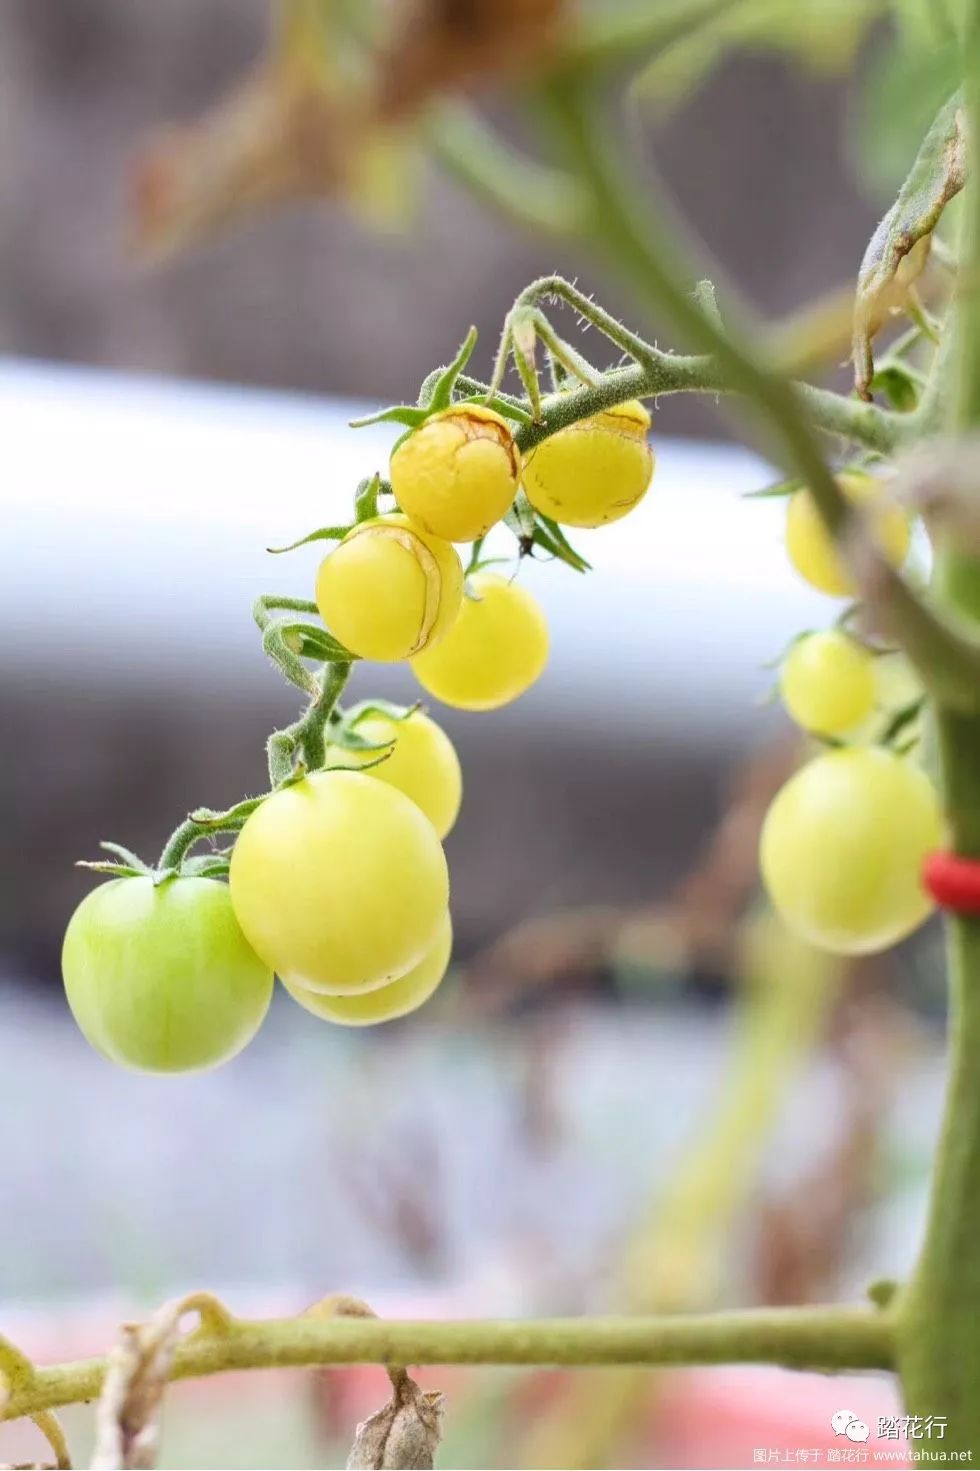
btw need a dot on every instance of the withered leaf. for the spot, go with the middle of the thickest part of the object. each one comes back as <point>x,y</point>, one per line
<point>899,248</point>
<point>404,1434</point>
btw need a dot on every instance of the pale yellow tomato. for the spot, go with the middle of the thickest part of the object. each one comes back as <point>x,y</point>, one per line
<point>827,682</point>
<point>339,882</point>
<point>495,651</point>
<point>398,998</point>
<point>594,471</point>
<point>843,845</point>
<point>811,549</point>
<point>456,475</point>
<point>421,762</point>
<point>390,589</point>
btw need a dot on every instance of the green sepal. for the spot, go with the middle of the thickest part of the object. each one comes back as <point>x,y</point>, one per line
<point>126,856</point>
<point>897,384</point>
<point>505,407</point>
<point>551,538</point>
<point>116,870</point>
<point>323,533</point>
<point>440,395</point>
<point>206,866</point>
<point>900,722</point>
<point>778,489</point>
<point>379,707</point>
<point>366,499</point>
<point>407,414</point>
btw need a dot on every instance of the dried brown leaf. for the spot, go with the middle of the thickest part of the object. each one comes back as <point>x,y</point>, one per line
<point>404,1434</point>
<point>442,46</point>
<point>127,1416</point>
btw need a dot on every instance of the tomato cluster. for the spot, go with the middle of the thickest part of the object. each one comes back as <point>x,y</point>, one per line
<point>337,881</point>
<point>844,842</point>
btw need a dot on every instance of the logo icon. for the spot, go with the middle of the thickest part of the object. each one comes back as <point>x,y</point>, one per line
<point>844,1423</point>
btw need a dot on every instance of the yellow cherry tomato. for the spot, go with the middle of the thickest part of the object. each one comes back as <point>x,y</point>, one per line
<point>398,998</point>
<point>594,471</point>
<point>422,763</point>
<point>842,849</point>
<point>811,549</point>
<point>390,589</point>
<point>339,882</point>
<point>456,475</point>
<point>827,682</point>
<point>495,650</point>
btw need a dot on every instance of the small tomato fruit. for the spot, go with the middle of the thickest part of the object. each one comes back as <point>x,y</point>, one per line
<point>398,998</point>
<point>161,978</point>
<point>594,471</point>
<point>843,845</point>
<point>422,763</point>
<point>811,548</point>
<point>339,882</point>
<point>495,650</point>
<point>456,475</point>
<point>390,589</point>
<point>827,682</point>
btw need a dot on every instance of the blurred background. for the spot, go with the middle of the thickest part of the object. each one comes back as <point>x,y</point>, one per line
<point>626,1095</point>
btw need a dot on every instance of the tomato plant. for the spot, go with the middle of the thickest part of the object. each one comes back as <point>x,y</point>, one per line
<point>336,877</point>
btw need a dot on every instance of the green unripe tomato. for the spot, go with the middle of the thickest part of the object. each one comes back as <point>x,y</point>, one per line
<point>827,682</point>
<point>390,589</point>
<point>422,763</point>
<point>398,998</point>
<point>456,475</point>
<point>162,979</point>
<point>811,549</point>
<point>842,849</point>
<point>339,882</point>
<point>495,650</point>
<point>594,471</point>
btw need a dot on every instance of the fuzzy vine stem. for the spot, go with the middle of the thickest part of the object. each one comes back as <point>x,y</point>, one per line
<point>829,1339</point>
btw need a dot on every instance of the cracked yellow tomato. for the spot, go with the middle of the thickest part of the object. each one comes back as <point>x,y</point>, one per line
<point>390,589</point>
<point>594,471</point>
<point>339,882</point>
<point>161,978</point>
<point>811,548</point>
<point>827,682</point>
<point>398,998</point>
<point>843,845</point>
<point>457,474</point>
<point>495,650</point>
<point>422,763</point>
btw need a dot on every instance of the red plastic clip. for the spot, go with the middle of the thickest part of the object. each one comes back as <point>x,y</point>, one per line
<point>953,881</point>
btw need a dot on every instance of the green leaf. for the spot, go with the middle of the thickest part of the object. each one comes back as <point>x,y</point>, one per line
<point>323,533</point>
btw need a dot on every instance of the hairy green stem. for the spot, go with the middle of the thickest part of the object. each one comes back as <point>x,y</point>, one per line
<point>938,1337</point>
<point>830,1339</point>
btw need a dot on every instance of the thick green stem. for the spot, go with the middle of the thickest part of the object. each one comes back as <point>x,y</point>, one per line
<point>828,1339</point>
<point>938,1343</point>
